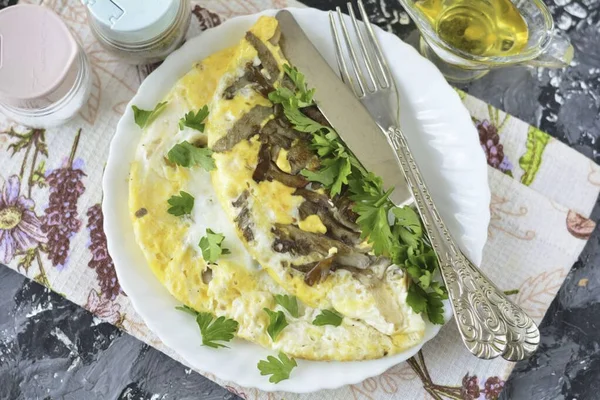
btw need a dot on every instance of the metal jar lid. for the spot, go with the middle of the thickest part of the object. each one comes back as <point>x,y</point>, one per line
<point>38,57</point>
<point>132,21</point>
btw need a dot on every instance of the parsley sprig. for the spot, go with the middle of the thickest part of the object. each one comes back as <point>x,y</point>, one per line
<point>212,330</point>
<point>402,240</point>
<point>187,155</point>
<point>212,246</point>
<point>181,205</point>
<point>328,317</point>
<point>290,303</point>
<point>194,121</point>
<point>143,118</point>
<point>277,322</point>
<point>221,329</point>
<point>279,369</point>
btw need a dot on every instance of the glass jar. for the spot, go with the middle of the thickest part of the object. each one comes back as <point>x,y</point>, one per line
<point>139,32</point>
<point>44,74</point>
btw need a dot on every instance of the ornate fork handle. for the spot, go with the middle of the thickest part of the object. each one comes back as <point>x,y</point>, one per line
<point>489,323</point>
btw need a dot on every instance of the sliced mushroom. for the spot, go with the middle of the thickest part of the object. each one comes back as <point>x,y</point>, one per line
<point>266,57</point>
<point>299,242</point>
<point>315,114</point>
<point>319,272</point>
<point>266,169</point>
<point>264,162</point>
<point>280,126</point>
<point>295,181</point>
<point>344,206</point>
<point>335,229</point>
<point>243,219</point>
<point>293,240</point>
<point>300,156</point>
<point>253,78</point>
<point>235,87</point>
<point>244,223</point>
<point>323,201</point>
<point>207,275</point>
<point>244,128</point>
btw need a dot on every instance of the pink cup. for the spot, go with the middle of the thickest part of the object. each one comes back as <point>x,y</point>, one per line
<point>44,74</point>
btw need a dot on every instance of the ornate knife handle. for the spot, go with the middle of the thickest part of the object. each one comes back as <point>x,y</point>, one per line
<point>489,323</point>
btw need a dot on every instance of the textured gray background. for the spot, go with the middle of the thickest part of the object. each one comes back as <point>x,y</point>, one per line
<point>52,349</point>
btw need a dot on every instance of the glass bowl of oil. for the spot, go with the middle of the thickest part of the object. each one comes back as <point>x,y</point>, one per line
<point>467,38</point>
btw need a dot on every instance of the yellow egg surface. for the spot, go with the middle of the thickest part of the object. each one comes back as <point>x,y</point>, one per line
<point>241,284</point>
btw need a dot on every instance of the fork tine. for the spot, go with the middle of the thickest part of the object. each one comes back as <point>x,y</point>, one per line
<point>357,70</point>
<point>381,61</point>
<point>363,48</point>
<point>343,68</point>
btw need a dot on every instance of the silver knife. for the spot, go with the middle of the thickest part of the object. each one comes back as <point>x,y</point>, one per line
<point>342,109</point>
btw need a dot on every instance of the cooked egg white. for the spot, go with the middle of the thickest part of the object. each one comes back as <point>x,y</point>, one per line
<point>237,286</point>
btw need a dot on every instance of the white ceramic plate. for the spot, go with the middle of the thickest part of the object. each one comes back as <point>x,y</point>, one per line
<point>445,145</point>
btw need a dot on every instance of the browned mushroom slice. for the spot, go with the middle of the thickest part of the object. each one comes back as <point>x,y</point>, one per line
<point>319,272</point>
<point>264,162</point>
<point>243,220</point>
<point>300,156</point>
<point>266,169</point>
<point>293,240</point>
<point>281,127</point>
<point>265,56</point>
<point>340,215</point>
<point>277,135</point>
<point>315,114</point>
<point>253,78</point>
<point>235,87</point>
<point>295,181</point>
<point>262,85</point>
<point>344,206</point>
<point>244,128</point>
<point>335,229</point>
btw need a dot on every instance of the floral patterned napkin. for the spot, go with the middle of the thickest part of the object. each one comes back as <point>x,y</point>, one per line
<point>51,220</point>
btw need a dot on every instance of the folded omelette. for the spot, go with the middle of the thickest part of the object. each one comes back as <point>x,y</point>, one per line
<point>284,234</point>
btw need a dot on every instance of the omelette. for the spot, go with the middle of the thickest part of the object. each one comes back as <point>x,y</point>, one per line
<point>283,234</point>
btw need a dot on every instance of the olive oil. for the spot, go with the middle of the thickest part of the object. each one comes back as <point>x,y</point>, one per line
<point>478,27</point>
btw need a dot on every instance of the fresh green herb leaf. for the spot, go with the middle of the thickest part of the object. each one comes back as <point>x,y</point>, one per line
<point>181,205</point>
<point>426,302</point>
<point>304,95</point>
<point>279,369</point>
<point>408,218</point>
<point>281,96</point>
<point>277,322</point>
<point>194,121</point>
<point>212,246</point>
<point>187,309</point>
<point>435,308</point>
<point>221,329</point>
<point>187,155</point>
<point>373,222</point>
<point>333,176</point>
<point>327,144</point>
<point>144,118</point>
<point>328,317</point>
<point>416,298</point>
<point>407,225</point>
<point>303,123</point>
<point>290,303</point>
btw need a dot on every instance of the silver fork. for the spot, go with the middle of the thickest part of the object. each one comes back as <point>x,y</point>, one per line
<point>489,323</point>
